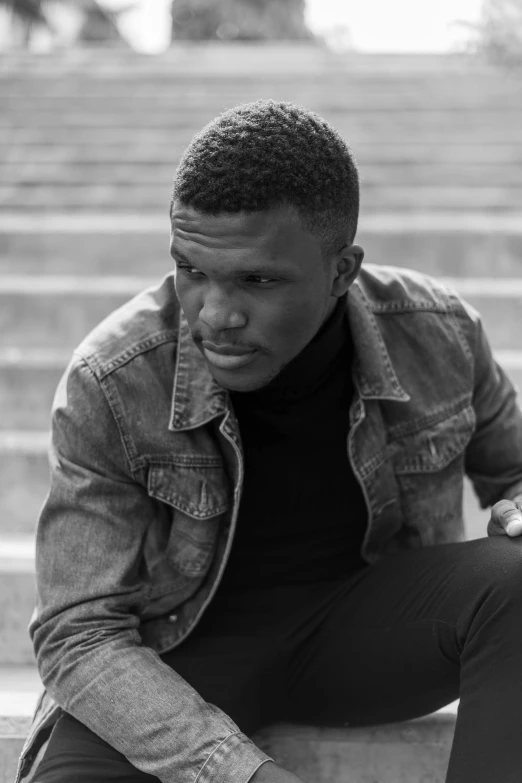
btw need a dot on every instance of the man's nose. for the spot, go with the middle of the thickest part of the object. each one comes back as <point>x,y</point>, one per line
<point>221,310</point>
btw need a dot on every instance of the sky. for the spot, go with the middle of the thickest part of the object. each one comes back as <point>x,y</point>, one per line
<point>366,25</point>
<point>401,25</point>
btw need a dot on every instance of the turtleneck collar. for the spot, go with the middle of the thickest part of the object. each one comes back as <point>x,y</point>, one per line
<point>311,367</point>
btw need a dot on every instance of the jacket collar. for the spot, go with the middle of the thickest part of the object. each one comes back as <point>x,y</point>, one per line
<point>197,398</point>
<point>374,373</point>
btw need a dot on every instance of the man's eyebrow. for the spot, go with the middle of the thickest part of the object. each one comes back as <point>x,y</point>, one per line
<point>176,254</point>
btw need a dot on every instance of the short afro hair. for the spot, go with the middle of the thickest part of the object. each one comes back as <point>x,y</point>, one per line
<point>267,154</point>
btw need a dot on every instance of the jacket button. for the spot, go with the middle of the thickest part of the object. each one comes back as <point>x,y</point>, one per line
<point>173,618</point>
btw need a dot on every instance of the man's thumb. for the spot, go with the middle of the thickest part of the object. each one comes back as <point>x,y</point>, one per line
<point>506,519</point>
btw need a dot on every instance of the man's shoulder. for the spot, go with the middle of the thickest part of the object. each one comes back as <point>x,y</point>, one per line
<point>395,288</point>
<point>147,321</point>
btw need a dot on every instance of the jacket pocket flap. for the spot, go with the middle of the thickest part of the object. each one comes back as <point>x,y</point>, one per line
<point>201,491</point>
<point>434,447</point>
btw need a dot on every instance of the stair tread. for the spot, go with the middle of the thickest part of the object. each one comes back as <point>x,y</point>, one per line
<point>19,690</point>
<point>389,221</point>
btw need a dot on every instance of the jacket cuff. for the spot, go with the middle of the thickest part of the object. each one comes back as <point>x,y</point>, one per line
<point>235,758</point>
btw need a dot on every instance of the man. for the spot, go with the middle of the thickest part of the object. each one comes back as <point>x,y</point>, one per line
<point>255,511</point>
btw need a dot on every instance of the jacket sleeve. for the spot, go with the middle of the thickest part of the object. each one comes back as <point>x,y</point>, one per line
<point>494,454</point>
<point>90,586</point>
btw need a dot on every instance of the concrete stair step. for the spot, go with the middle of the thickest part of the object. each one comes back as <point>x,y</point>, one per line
<point>17,601</point>
<point>48,319</point>
<point>373,175</point>
<point>50,197</point>
<point>240,59</point>
<point>332,90</point>
<point>335,91</point>
<point>28,380</point>
<point>475,83</point>
<point>398,752</point>
<point>469,73</point>
<point>24,480</point>
<point>19,690</point>
<point>449,121</point>
<point>412,752</point>
<point>156,154</point>
<point>57,312</point>
<point>355,129</point>
<point>192,63</point>
<point>449,244</point>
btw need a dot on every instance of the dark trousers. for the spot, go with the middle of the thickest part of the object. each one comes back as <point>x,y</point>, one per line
<point>397,640</point>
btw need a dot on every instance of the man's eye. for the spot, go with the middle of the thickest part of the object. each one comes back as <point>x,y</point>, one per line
<point>264,280</point>
<point>185,268</point>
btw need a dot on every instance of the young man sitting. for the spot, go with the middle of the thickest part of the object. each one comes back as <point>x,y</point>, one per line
<point>255,512</point>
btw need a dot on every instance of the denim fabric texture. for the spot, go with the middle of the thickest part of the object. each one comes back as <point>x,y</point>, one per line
<point>146,479</point>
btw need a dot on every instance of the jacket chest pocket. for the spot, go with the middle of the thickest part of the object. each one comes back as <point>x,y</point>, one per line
<point>198,497</point>
<point>429,468</point>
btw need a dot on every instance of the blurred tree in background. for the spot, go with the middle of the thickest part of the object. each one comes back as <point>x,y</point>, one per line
<point>242,20</point>
<point>98,23</point>
<point>499,33</point>
<point>28,13</point>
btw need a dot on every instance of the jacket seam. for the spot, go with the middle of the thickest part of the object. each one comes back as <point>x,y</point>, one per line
<point>112,411</point>
<point>364,387</point>
<point>102,370</point>
<point>458,316</point>
<point>398,307</point>
<point>411,428</point>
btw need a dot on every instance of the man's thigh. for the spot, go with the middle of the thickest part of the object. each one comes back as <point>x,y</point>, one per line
<point>389,648</point>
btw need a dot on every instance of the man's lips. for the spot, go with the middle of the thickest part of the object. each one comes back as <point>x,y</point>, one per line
<point>226,350</point>
<point>228,357</point>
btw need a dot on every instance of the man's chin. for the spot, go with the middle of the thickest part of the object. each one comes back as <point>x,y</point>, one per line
<point>237,384</point>
<point>240,381</point>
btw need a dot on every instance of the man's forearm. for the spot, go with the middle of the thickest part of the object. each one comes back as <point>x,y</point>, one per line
<point>124,693</point>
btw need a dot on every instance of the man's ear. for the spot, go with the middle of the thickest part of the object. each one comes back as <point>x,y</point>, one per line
<point>348,262</point>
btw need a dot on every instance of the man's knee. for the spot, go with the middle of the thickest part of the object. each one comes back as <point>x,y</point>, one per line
<point>496,570</point>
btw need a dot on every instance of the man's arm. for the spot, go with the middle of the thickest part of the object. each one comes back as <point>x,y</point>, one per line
<point>90,587</point>
<point>494,455</point>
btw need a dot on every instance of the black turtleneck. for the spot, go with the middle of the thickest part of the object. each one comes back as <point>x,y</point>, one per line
<point>302,515</point>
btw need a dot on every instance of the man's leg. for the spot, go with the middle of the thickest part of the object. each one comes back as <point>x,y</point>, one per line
<point>75,753</point>
<point>416,631</point>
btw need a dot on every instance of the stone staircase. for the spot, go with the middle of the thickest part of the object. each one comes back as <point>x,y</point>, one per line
<point>89,141</point>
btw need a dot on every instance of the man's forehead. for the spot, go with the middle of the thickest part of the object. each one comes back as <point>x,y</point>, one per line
<point>271,224</point>
<point>270,240</point>
<point>190,219</point>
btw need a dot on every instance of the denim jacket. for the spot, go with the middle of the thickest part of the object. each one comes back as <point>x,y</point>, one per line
<point>146,479</point>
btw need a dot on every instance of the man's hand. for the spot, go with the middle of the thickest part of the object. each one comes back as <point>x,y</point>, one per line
<point>271,773</point>
<point>506,518</point>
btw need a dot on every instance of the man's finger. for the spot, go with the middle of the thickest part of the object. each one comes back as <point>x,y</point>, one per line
<point>505,517</point>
